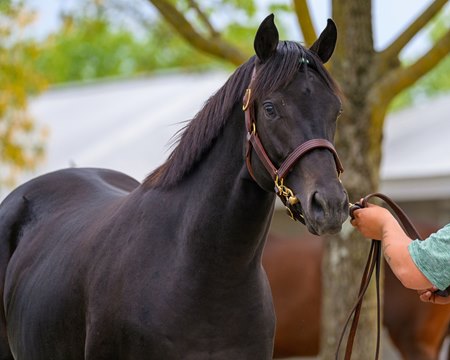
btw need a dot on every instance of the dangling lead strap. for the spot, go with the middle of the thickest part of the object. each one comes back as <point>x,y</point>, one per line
<point>373,263</point>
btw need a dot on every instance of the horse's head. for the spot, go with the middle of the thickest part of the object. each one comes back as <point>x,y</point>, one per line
<point>291,111</point>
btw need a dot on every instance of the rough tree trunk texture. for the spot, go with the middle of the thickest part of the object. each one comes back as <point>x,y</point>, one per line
<point>353,67</point>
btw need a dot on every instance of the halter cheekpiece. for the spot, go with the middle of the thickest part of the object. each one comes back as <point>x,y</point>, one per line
<point>289,199</point>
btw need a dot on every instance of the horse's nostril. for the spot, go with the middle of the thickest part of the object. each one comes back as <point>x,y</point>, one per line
<point>318,203</point>
<point>326,212</point>
<point>322,205</point>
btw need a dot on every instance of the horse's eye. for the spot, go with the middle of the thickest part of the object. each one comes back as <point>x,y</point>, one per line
<point>269,109</point>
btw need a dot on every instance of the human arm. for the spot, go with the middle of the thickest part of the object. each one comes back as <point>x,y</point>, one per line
<point>378,223</point>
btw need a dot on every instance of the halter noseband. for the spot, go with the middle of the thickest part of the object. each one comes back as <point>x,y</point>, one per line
<point>253,142</point>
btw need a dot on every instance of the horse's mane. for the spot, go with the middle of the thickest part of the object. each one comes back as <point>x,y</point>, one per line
<point>199,134</point>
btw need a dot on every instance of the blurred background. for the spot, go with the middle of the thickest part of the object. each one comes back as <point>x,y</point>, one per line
<point>107,83</point>
<point>62,63</point>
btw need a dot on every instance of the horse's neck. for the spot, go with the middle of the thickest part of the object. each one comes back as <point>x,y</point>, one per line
<point>225,208</point>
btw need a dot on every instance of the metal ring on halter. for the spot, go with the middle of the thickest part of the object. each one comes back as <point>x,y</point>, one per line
<point>353,207</point>
<point>247,95</point>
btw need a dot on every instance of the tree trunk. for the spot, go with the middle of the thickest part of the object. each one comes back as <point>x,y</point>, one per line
<point>354,69</point>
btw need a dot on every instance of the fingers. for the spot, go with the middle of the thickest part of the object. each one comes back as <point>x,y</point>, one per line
<point>430,297</point>
<point>355,209</point>
<point>427,296</point>
<point>356,212</point>
<point>354,216</point>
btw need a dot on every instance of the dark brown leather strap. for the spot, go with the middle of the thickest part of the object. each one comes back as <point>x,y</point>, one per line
<point>255,143</point>
<point>373,262</point>
<point>303,149</point>
<point>293,157</point>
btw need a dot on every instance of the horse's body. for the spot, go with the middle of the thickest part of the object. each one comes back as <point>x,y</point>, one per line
<point>104,290</point>
<point>95,265</point>
<point>293,266</point>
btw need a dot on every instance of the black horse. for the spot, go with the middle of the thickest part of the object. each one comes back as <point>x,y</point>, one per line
<point>95,265</point>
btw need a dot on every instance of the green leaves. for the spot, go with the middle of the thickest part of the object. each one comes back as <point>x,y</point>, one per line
<point>87,49</point>
<point>94,47</point>
<point>437,81</point>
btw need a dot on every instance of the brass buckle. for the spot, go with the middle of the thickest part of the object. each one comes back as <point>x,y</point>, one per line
<point>247,95</point>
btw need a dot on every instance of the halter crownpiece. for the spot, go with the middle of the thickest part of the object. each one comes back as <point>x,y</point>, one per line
<point>290,201</point>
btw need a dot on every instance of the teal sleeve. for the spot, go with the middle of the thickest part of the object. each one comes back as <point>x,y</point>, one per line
<point>432,257</point>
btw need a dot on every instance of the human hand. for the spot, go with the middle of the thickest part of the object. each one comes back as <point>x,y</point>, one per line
<point>372,220</point>
<point>428,295</point>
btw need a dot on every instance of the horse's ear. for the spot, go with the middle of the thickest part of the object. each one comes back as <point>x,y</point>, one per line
<point>324,45</point>
<point>266,39</point>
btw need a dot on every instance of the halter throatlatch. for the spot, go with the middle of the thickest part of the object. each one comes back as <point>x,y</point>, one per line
<point>289,199</point>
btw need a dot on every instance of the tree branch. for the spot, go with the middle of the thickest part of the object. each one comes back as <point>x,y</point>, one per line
<point>216,46</point>
<point>193,4</point>
<point>401,78</point>
<point>393,50</point>
<point>137,15</point>
<point>305,21</point>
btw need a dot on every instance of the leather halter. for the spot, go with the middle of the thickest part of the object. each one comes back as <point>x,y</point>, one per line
<point>278,174</point>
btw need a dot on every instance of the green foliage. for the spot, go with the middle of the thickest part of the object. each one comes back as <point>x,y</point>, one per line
<point>166,50</point>
<point>92,46</point>
<point>4,6</point>
<point>435,82</point>
<point>20,144</point>
<point>242,32</point>
<point>281,7</point>
<point>248,6</point>
<point>86,50</point>
<point>438,80</point>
